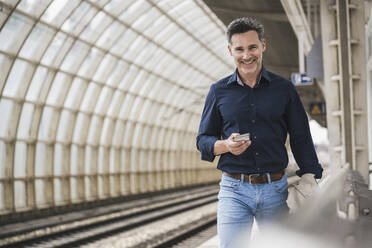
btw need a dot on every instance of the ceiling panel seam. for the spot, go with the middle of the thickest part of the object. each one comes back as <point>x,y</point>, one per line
<point>157,44</point>
<point>190,34</point>
<point>115,88</point>
<point>203,8</point>
<point>107,52</point>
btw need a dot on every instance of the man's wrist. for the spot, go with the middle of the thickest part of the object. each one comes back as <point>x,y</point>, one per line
<point>220,147</point>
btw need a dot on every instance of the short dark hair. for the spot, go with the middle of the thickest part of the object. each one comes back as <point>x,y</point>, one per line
<point>242,25</point>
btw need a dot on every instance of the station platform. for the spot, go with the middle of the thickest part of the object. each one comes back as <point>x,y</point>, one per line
<point>213,242</point>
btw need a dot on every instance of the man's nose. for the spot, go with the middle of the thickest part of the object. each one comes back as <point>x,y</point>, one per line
<point>246,55</point>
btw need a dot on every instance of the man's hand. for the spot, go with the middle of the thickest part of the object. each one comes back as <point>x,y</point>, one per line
<point>236,147</point>
<point>306,185</point>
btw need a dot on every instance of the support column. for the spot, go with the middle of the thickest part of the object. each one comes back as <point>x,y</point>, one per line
<point>344,52</point>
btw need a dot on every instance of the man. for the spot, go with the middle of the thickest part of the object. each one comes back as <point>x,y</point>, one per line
<point>265,105</point>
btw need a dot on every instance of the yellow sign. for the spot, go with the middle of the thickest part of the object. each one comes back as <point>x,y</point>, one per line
<point>317,108</point>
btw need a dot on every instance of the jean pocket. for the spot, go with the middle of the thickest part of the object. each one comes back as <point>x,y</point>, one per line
<point>228,183</point>
<point>281,186</point>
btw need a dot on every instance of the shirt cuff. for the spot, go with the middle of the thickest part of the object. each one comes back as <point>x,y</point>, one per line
<point>208,148</point>
<point>317,171</point>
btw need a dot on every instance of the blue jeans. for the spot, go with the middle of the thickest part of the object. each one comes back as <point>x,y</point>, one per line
<point>240,202</point>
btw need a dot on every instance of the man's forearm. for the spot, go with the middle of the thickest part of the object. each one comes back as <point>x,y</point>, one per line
<point>220,147</point>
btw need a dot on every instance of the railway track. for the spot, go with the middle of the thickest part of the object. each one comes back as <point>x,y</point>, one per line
<point>87,226</point>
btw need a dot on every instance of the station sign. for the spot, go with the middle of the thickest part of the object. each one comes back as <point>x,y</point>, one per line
<point>317,108</point>
<point>299,79</point>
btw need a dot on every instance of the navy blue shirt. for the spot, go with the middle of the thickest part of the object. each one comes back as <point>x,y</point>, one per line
<point>268,112</point>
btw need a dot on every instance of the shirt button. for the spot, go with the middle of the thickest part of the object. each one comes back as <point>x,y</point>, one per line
<point>258,168</point>
<point>253,121</point>
<point>252,104</point>
<point>256,153</point>
<point>255,137</point>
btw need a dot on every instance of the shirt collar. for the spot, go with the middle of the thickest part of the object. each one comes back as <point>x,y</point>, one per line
<point>235,77</point>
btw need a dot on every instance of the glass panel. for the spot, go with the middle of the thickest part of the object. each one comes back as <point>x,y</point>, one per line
<point>118,133</point>
<point>36,83</point>
<point>79,19</point>
<point>139,81</point>
<point>45,124</point>
<point>64,127</point>
<point>19,194</point>
<point>107,132</point>
<point>11,2</point>
<point>33,7</point>
<point>37,42</point>
<point>115,7</point>
<point>96,27</point>
<point>101,161</point>
<point>39,191</point>
<point>118,73</point>
<point>57,50</point>
<point>94,130</point>
<point>112,33</point>
<point>75,57</point>
<point>105,68</point>
<point>89,158</point>
<point>132,51</point>
<point>100,3</point>
<point>128,78</point>
<point>73,189</point>
<point>59,89</point>
<point>103,101</point>
<point>40,157</point>
<point>25,121</point>
<point>80,128</point>
<point>4,13</point>
<point>58,160</point>
<point>5,64</point>
<point>115,104</point>
<point>2,161</point>
<point>58,190</point>
<point>91,63</point>
<point>124,42</point>
<point>157,26</point>
<point>74,160</point>
<point>90,97</point>
<point>75,94</point>
<point>145,20</point>
<point>58,11</point>
<point>166,32</point>
<point>14,32</point>
<point>134,11</point>
<point>18,78</point>
<point>2,207</point>
<point>20,159</point>
<point>6,109</point>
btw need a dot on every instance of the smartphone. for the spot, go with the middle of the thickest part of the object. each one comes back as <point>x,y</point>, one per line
<point>241,137</point>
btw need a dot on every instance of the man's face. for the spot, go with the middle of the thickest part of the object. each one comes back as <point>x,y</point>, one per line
<point>247,51</point>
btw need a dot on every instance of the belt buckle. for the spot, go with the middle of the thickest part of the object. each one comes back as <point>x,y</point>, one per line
<point>252,175</point>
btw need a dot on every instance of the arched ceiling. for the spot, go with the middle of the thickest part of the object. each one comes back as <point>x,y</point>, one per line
<point>90,87</point>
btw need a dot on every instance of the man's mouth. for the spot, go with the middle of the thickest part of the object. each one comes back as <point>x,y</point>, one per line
<point>249,61</point>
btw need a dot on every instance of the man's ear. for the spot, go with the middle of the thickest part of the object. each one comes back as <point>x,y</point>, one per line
<point>229,48</point>
<point>263,45</point>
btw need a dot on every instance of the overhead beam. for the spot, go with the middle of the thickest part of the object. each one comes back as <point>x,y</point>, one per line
<point>270,16</point>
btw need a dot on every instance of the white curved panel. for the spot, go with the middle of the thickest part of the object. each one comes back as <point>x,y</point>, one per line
<point>89,88</point>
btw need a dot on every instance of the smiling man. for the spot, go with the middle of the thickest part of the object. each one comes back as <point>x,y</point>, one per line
<point>265,105</point>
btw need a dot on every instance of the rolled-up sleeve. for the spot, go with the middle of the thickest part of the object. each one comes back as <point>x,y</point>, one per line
<point>210,127</point>
<point>300,137</point>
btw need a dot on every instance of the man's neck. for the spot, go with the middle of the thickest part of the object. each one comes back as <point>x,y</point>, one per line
<point>250,80</point>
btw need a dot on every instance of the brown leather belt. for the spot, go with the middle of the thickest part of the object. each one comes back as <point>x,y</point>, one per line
<point>258,178</point>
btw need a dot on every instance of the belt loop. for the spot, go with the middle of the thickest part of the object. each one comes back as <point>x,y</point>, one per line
<point>268,177</point>
<point>241,178</point>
